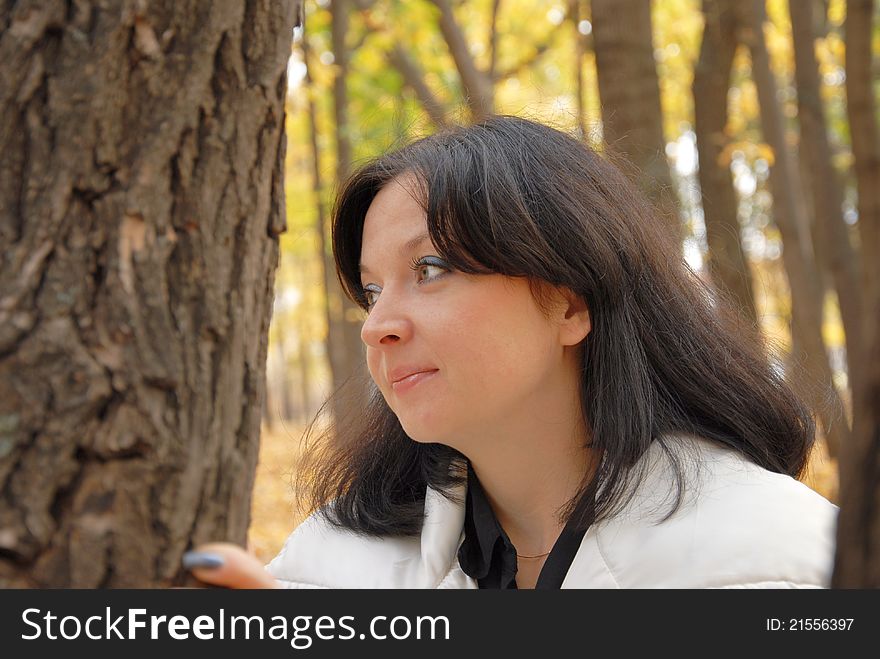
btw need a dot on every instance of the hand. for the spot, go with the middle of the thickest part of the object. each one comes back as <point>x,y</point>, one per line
<point>228,566</point>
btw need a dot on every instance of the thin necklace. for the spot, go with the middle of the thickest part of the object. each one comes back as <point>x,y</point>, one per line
<point>535,556</point>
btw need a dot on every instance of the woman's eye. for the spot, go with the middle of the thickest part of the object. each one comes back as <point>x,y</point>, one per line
<point>424,266</point>
<point>425,269</point>
<point>369,299</point>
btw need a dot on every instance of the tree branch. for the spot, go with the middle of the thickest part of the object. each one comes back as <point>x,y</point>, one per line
<point>410,71</point>
<point>540,49</point>
<point>493,37</point>
<point>477,85</point>
<point>521,66</point>
<point>414,78</point>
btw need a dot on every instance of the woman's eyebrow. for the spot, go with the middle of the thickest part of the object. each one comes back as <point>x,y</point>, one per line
<point>407,247</point>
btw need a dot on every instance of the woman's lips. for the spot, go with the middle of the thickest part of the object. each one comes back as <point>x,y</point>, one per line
<point>411,381</point>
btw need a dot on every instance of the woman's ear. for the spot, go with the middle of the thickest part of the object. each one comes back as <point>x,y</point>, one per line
<point>573,318</point>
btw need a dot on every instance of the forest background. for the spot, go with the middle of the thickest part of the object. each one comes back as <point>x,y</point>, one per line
<point>735,113</point>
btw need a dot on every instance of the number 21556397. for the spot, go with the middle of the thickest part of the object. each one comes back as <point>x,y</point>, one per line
<point>809,624</point>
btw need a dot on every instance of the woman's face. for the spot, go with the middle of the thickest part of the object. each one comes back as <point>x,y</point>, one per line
<point>484,346</point>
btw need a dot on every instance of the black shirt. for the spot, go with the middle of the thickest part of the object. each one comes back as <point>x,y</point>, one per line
<point>488,556</point>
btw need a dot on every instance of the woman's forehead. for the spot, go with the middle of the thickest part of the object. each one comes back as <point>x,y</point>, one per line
<point>395,225</point>
<point>393,209</point>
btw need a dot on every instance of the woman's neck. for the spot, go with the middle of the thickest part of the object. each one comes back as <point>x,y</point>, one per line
<point>532,462</point>
<point>527,490</point>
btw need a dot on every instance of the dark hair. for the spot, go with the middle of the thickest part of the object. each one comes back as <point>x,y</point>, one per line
<point>665,356</point>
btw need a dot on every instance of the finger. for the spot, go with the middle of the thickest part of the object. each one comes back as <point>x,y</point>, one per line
<point>227,565</point>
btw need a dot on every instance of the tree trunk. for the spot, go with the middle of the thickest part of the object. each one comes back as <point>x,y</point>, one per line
<point>632,119</point>
<point>728,265</point>
<point>348,365</point>
<point>334,344</point>
<point>862,113</point>
<point>580,52</point>
<point>797,254</point>
<point>305,371</point>
<point>831,237</point>
<point>857,564</point>
<point>493,38</point>
<point>267,418</point>
<point>277,404</point>
<point>141,155</point>
<point>287,408</point>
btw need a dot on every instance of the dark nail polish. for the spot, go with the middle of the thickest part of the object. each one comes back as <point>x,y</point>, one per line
<point>201,559</point>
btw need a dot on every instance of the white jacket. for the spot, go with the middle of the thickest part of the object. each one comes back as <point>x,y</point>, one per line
<point>739,526</point>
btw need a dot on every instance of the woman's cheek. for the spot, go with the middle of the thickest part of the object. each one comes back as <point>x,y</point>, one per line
<point>479,378</point>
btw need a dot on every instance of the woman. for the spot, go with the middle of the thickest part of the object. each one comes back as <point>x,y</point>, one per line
<point>558,400</point>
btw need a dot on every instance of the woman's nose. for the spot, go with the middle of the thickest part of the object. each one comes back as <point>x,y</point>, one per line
<point>387,323</point>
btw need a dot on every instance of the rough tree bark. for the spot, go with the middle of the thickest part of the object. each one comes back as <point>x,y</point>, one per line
<point>728,265</point>
<point>857,564</point>
<point>632,119</point>
<point>141,153</point>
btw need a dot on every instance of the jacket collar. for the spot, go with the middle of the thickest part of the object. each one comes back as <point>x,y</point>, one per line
<point>317,554</point>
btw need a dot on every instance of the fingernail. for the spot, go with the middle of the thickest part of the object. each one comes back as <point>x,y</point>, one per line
<point>202,559</point>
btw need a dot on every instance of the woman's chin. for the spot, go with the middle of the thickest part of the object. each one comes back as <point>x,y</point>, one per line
<point>418,433</point>
<point>421,431</point>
